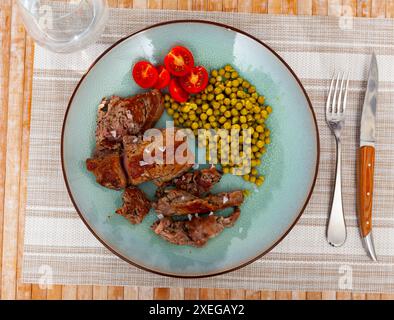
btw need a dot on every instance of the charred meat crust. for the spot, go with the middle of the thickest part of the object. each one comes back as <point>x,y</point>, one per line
<point>118,117</point>
<point>195,232</point>
<point>107,168</point>
<point>138,171</point>
<point>135,205</point>
<point>198,182</point>
<point>179,202</point>
<point>119,120</point>
<point>131,165</point>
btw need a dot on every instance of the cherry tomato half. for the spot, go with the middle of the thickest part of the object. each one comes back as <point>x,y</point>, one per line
<point>179,61</point>
<point>176,91</point>
<point>163,79</point>
<point>196,80</point>
<point>145,74</point>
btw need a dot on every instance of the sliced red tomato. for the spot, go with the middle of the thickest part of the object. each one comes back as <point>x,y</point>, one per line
<point>179,61</point>
<point>163,79</point>
<point>145,74</point>
<point>196,80</point>
<point>177,92</point>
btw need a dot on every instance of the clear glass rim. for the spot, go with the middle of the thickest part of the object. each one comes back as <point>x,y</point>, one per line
<point>21,3</point>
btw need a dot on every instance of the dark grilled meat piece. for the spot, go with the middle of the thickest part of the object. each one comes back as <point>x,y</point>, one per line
<point>198,182</point>
<point>118,117</point>
<point>107,168</point>
<point>179,202</point>
<point>135,205</point>
<point>195,232</point>
<point>140,171</point>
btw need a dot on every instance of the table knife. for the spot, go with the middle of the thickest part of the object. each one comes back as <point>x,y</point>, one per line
<point>367,159</point>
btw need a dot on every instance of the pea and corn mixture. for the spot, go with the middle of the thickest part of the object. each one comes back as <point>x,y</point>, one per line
<point>228,102</point>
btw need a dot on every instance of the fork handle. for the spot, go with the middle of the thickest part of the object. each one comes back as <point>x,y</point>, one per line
<point>336,230</point>
<point>365,192</point>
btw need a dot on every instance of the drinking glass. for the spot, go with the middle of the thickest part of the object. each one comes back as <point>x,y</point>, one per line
<point>64,25</point>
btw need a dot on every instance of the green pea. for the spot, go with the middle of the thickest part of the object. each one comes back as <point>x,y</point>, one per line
<point>240,94</point>
<point>220,97</point>
<point>235,83</point>
<point>245,84</point>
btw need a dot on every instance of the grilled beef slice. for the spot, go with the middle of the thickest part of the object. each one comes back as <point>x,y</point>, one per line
<point>135,205</point>
<point>118,117</point>
<point>198,182</point>
<point>107,168</point>
<point>179,202</point>
<point>139,171</point>
<point>195,232</point>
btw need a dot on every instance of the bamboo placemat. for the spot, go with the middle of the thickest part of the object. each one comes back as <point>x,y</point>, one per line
<point>56,240</point>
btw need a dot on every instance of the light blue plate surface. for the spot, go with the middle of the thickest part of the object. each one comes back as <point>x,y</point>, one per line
<point>290,164</point>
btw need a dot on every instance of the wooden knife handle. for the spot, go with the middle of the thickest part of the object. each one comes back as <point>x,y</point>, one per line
<point>366,170</point>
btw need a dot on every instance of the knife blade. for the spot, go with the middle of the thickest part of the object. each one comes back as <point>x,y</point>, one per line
<point>367,158</point>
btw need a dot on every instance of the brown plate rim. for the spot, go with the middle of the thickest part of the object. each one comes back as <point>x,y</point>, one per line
<point>221,25</point>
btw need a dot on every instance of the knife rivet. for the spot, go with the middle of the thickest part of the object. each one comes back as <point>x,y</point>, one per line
<point>368,193</point>
<point>367,222</point>
<point>369,164</point>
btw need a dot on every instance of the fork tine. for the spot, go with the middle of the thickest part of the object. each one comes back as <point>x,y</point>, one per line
<point>334,100</point>
<point>345,95</point>
<point>340,94</point>
<point>328,102</point>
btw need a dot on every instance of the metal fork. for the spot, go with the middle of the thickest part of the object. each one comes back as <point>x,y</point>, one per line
<point>335,118</point>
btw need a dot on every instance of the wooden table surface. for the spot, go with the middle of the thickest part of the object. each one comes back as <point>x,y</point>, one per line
<point>16,65</point>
